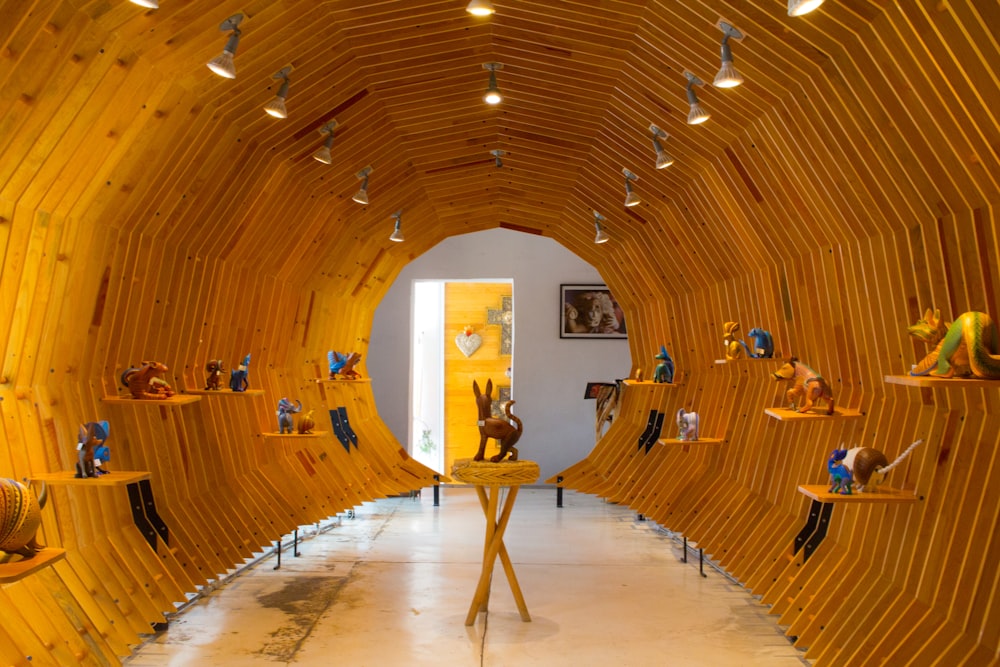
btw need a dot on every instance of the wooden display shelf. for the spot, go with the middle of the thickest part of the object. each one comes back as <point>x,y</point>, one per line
<point>176,399</point>
<point>787,414</point>
<point>647,383</point>
<point>113,478</point>
<point>930,381</point>
<point>11,572</point>
<point>344,380</point>
<point>699,441</point>
<point>275,434</point>
<point>744,360</point>
<point>224,392</point>
<point>885,494</point>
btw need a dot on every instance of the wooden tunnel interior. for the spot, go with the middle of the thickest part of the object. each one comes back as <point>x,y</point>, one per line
<point>150,210</point>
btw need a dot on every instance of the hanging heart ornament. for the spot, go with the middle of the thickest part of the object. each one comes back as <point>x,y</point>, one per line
<point>468,341</point>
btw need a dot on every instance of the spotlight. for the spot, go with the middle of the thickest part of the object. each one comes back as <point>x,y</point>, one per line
<point>493,95</point>
<point>153,4</point>
<point>601,236</point>
<point>496,155</point>
<point>323,154</point>
<point>397,233</point>
<point>697,115</point>
<point>663,159</point>
<point>631,198</point>
<point>361,196</point>
<point>223,64</point>
<point>795,7</point>
<point>481,8</point>
<point>276,107</point>
<point>728,77</point>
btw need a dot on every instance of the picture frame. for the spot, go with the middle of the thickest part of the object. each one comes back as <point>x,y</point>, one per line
<point>589,311</point>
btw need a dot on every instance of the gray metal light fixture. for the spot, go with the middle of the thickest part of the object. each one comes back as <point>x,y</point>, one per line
<point>361,196</point>
<point>663,159</point>
<point>795,7</point>
<point>601,237</point>
<point>223,64</point>
<point>492,95</point>
<point>397,233</point>
<point>631,198</point>
<point>276,107</point>
<point>696,115</point>
<point>497,153</point>
<point>323,154</point>
<point>728,77</point>
<point>480,7</point>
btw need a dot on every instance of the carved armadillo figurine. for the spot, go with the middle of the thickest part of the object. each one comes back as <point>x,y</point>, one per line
<point>306,423</point>
<point>20,517</point>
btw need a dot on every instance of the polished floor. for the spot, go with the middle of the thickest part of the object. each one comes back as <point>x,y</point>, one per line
<point>393,585</point>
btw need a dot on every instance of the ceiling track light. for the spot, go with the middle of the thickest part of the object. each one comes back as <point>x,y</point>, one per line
<point>631,198</point>
<point>323,154</point>
<point>492,95</point>
<point>497,154</point>
<point>153,4</point>
<point>397,233</point>
<point>728,77</point>
<point>697,115</point>
<point>601,237</point>
<point>795,7</point>
<point>480,8</point>
<point>276,107</point>
<point>361,196</point>
<point>663,159</point>
<point>223,64</point>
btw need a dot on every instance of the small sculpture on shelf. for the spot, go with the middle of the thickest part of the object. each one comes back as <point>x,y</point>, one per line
<point>735,347</point>
<point>506,431</point>
<point>91,450</point>
<point>687,425</point>
<point>285,411</point>
<point>664,371</point>
<point>806,384</point>
<point>146,381</point>
<point>968,347</point>
<point>866,467</point>
<point>841,479</point>
<point>239,377</point>
<point>214,369</point>
<point>763,344</point>
<point>342,365</point>
<point>306,423</point>
<point>20,518</point>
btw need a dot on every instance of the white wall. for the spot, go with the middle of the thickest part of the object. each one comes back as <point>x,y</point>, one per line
<point>550,373</point>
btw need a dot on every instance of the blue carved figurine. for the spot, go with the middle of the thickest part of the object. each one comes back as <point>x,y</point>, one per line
<point>664,371</point>
<point>91,450</point>
<point>238,376</point>
<point>763,344</point>
<point>840,477</point>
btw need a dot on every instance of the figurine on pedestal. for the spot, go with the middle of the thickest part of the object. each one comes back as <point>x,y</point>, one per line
<point>687,425</point>
<point>285,412</point>
<point>664,371</point>
<point>146,381</point>
<point>807,384</point>
<point>239,377</point>
<point>91,450</point>
<point>214,380</point>
<point>506,431</point>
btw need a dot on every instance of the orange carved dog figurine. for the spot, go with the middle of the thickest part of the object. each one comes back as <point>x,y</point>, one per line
<point>807,383</point>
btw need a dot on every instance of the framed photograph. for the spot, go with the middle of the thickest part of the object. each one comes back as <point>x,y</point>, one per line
<point>589,311</point>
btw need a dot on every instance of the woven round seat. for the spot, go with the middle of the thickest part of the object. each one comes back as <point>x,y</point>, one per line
<point>503,473</point>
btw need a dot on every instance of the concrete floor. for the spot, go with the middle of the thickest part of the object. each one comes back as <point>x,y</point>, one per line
<point>393,585</point>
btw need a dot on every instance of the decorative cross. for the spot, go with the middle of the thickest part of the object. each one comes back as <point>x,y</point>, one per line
<point>505,318</point>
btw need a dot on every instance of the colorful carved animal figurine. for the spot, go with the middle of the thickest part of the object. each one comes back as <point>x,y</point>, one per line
<point>806,384</point>
<point>20,517</point>
<point>239,378</point>
<point>90,439</point>
<point>146,381</point>
<point>306,423</point>
<point>687,425</point>
<point>969,346</point>
<point>343,365</point>
<point>664,371</point>
<point>735,347</point>
<point>840,475</point>
<point>869,466</point>
<point>285,412</point>
<point>214,369</point>
<point>502,430</point>
<point>763,344</point>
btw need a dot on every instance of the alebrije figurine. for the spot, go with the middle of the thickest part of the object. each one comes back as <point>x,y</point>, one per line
<point>967,347</point>
<point>239,377</point>
<point>687,425</point>
<point>146,381</point>
<point>306,423</point>
<point>807,383</point>
<point>343,365</point>
<point>840,476</point>
<point>664,371</point>
<point>869,466</point>
<point>285,412</point>
<point>735,347</point>
<point>501,429</point>
<point>214,380</point>
<point>20,518</point>
<point>91,449</point>
<point>763,344</point>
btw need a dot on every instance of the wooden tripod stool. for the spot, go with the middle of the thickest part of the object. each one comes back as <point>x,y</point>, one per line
<point>511,474</point>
